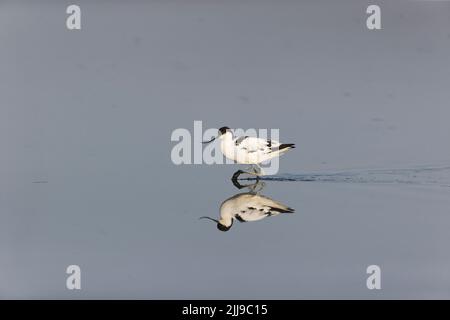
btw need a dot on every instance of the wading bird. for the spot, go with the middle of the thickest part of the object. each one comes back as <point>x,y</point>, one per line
<point>249,150</point>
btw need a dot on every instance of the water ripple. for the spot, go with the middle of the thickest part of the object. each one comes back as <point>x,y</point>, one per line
<point>437,176</point>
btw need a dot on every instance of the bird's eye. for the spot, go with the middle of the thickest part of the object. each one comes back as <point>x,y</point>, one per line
<point>223,130</point>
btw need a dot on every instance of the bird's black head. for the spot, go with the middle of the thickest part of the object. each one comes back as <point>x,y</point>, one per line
<point>222,227</point>
<point>223,130</point>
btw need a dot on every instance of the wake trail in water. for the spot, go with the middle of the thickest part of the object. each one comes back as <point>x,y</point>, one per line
<point>436,176</point>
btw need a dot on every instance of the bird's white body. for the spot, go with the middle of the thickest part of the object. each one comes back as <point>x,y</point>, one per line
<point>246,207</point>
<point>250,150</point>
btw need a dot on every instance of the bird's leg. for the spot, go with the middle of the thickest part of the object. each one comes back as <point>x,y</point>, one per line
<point>252,186</point>
<point>257,187</point>
<point>250,170</point>
<point>254,170</point>
<point>258,170</point>
<point>235,181</point>
<point>238,173</point>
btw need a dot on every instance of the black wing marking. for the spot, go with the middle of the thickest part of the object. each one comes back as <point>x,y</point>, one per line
<point>287,210</point>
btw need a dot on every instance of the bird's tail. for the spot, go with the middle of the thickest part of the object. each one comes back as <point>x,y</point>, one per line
<point>283,148</point>
<point>286,146</point>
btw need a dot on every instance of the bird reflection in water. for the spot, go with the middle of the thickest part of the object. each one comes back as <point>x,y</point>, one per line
<point>248,207</point>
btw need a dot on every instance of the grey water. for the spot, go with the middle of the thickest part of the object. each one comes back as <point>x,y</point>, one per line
<point>86,176</point>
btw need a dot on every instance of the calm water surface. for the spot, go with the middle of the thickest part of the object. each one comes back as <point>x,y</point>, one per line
<point>85,170</point>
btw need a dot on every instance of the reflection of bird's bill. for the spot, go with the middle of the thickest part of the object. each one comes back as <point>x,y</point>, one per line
<point>209,219</point>
<point>220,226</point>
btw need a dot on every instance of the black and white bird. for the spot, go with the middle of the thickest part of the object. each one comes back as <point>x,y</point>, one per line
<point>246,207</point>
<point>249,150</point>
